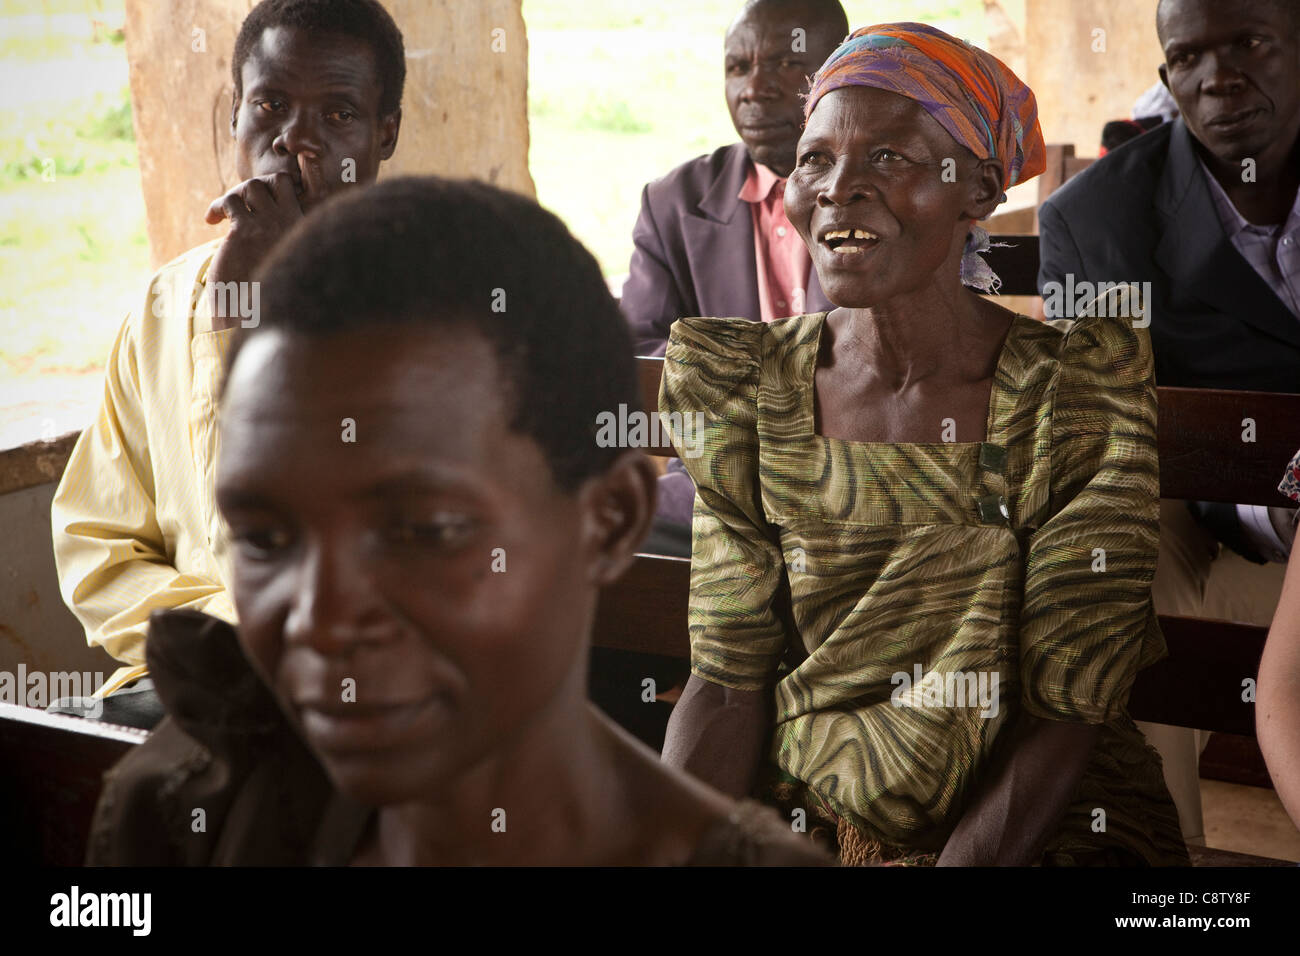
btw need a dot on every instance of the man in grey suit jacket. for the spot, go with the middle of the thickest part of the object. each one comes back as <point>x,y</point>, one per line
<point>1205,214</point>
<point>695,252</point>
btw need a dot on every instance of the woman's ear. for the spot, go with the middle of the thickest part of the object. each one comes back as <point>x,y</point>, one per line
<point>617,507</point>
<point>986,191</point>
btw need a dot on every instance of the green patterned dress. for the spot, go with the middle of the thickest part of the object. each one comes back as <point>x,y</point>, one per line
<point>834,573</point>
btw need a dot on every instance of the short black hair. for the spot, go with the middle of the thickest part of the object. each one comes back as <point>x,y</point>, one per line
<point>1290,10</point>
<point>363,19</point>
<point>822,14</point>
<point>438,253</point>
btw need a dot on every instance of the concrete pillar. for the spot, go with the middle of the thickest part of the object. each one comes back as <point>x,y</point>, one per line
<point>1085,61</point>
<point>464,109</point>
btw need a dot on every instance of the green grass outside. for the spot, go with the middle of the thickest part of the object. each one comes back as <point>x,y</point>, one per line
<point>73,249</point>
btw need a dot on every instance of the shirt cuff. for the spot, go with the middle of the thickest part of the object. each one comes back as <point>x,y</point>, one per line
<point>1261,533</point>
<point>122,676</point>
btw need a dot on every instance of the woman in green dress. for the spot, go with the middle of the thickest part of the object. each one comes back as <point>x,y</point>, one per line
<point>925,527</point>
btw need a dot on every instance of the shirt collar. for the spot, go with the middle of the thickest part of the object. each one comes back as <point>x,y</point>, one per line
<point>759,183</point>
<point>1234,222</point>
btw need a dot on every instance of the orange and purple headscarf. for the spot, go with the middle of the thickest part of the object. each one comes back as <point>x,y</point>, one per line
<point>972,94</point>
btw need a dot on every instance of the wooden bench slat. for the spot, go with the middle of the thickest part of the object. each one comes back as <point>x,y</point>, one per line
<point>50,802</point>
<point>1234,758</point>
<point>1203,456</point>
<point>1209,856</point>
<point>650,371</point>
<point>645,610</point>
<point>1200,683</point>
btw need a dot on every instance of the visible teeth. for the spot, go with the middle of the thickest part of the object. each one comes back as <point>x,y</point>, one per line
<point>842,250</point>
<point>848,234</point>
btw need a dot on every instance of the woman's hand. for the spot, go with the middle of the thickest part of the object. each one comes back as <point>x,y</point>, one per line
<point>1024,795</point>
<point>261,210</point>
<point>717,734</point>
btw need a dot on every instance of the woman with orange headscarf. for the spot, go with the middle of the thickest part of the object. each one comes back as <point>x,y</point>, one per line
<point>925,528</point>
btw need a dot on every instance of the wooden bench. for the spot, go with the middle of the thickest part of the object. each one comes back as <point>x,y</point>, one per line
<point>52,772</point>
<point>55,765</point>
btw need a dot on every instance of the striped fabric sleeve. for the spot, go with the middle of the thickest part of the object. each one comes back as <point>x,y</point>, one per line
<point>1087,625</point>
<point>737,569</point>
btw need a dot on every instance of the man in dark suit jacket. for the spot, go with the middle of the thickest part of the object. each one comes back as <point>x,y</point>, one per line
<point>695,250</point>
<point>1205,212</point>
<point>1144,214</point>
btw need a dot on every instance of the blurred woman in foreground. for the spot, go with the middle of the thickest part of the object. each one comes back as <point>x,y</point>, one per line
<point>421,520</point>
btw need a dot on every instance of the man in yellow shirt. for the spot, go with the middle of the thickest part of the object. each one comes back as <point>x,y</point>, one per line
<point>317,108</point>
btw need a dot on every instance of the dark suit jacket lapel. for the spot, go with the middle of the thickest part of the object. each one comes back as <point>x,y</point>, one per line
<point>1199,257</point>
<point>720,244</point>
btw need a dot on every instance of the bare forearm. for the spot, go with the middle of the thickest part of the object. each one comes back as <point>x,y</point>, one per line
<point>1279,738</point>
<point>717,735</point>
<point>1277,714</point>
<point>1022,800</point>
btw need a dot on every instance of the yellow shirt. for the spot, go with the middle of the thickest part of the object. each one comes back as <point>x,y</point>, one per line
<point>135,523</point>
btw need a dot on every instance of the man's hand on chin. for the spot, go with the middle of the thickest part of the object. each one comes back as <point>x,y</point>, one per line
<point>260,210</point>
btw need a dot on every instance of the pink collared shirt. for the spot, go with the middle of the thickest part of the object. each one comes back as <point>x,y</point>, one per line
<point>780,256</point>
